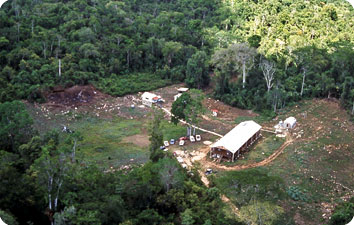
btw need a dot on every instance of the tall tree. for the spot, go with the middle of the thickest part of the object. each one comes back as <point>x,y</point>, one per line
<point>237,57</point>
<point>268,69</point>
<point>243,55</point>
<point>52,167</point>
<point>188,107</point>
<point>156,136</point>
<point>197,71</point>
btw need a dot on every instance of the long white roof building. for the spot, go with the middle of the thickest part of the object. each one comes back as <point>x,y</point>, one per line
<point>238,136</point>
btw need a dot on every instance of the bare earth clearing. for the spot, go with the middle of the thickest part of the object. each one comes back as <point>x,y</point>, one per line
<point>319,149</point>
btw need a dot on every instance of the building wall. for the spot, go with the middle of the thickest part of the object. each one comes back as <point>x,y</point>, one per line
<point>228,155</point>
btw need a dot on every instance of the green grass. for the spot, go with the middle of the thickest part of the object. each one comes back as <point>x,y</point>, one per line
<point>259,151</point>
<point>172,131</point>
<point>244,186</point>
<point>102,142</point>
<point>308,169</point>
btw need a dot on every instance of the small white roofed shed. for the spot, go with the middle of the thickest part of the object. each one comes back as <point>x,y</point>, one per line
<point>149,98</point>
<point>238,139</point>
<point>290,122</point>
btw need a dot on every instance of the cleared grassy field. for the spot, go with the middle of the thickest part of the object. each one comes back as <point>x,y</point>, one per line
<point>107,142</point>
<point>103,142</point>
<point>259,151</point>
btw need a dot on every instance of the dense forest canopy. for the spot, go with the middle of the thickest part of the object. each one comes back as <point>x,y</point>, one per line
<point>258,54</point>
<point>46,43</point>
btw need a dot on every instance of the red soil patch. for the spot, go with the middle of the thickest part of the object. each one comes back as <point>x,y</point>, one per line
<point>226,112</point>
<point>75,96</point>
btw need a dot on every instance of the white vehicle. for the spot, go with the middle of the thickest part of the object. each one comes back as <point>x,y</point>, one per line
<point>166,143</point>
<point>198,137</point>
<point>181,142</point>
<point>191,138</point>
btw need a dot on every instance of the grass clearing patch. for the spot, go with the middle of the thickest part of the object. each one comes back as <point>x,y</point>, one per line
<point>261,150</point>
<point>243,186</point>
<point>172,131</point>
<point>102,142</point>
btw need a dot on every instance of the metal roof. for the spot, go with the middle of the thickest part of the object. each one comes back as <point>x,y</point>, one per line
<point>238,136</point>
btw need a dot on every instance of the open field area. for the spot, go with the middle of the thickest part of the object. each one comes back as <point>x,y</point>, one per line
<point>300,185</point>
<point>113,133</point>
<point>315,172</point>
<point>176,112</point>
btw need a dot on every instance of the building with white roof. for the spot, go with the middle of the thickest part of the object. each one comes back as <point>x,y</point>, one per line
<point>236,141</point>
<point>149,98</point>
<point>290,122</point>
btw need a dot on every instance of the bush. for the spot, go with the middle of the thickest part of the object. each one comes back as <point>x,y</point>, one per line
<point>127,84</point>
<point>296,194</point>
<point>343,213</point>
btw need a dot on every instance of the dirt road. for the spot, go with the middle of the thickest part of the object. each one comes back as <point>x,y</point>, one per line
<point>208,164</point>
<point>266,161</point>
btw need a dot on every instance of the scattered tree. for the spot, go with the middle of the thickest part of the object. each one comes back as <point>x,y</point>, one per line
<point>268,69</point>
<point>188,107</point>
<point>156,136</point>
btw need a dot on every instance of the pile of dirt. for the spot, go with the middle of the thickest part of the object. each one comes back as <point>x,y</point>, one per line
<point>75,96</point>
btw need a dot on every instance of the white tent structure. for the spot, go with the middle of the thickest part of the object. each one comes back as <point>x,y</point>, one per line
<point>290,122</point>
<point>237,140</point>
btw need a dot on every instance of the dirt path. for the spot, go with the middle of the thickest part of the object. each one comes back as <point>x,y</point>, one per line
<point>225,199</point>
<point>207,164</point>
<point>199,128</point>
<point>252,165</point>
<point>234,209</point>
<point>268,160</point>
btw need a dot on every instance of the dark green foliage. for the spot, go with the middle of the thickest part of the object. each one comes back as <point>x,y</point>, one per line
<point>343,214</point>
<point>98,41</point>
<point>15,125</point>
<point>179,106</point>
<point>188,107</point>
<point>156,137</point>
<point>18,190</point>
<point>7,218</point>
<point>119,85</point>
<point>254,41</point>
<point>297,194</point>
<point>251,184</point>
<point>198,71</point>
